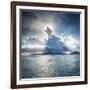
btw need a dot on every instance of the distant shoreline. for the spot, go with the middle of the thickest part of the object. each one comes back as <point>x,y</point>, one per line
<point>40,53</point>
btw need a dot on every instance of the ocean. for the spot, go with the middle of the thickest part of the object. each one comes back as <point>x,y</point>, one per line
<point>42,66</point>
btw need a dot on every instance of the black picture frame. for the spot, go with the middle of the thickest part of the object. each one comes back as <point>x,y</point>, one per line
<point>14,84</point>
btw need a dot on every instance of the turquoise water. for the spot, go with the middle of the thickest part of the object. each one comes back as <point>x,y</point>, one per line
<point>40,66</point>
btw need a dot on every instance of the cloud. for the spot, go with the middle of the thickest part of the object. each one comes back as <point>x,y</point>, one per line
<point>35,22</point>
<point>70,42</point>
<point>62,43</point>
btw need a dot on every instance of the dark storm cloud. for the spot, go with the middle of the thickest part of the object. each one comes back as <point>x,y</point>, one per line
<point>66,23</point>
<point>69,23</point>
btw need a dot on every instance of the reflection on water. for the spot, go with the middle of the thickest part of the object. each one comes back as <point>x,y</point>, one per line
<point>39,66</point>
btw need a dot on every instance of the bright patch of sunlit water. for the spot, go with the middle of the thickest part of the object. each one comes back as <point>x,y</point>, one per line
<point>40,66</point>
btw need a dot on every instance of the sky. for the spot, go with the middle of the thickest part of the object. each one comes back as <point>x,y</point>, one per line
<point>33,24</point>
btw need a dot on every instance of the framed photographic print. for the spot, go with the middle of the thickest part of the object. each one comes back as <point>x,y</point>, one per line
<point>48,44</point>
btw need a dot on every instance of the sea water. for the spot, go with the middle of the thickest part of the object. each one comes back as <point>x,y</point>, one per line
<point>40,66</point>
